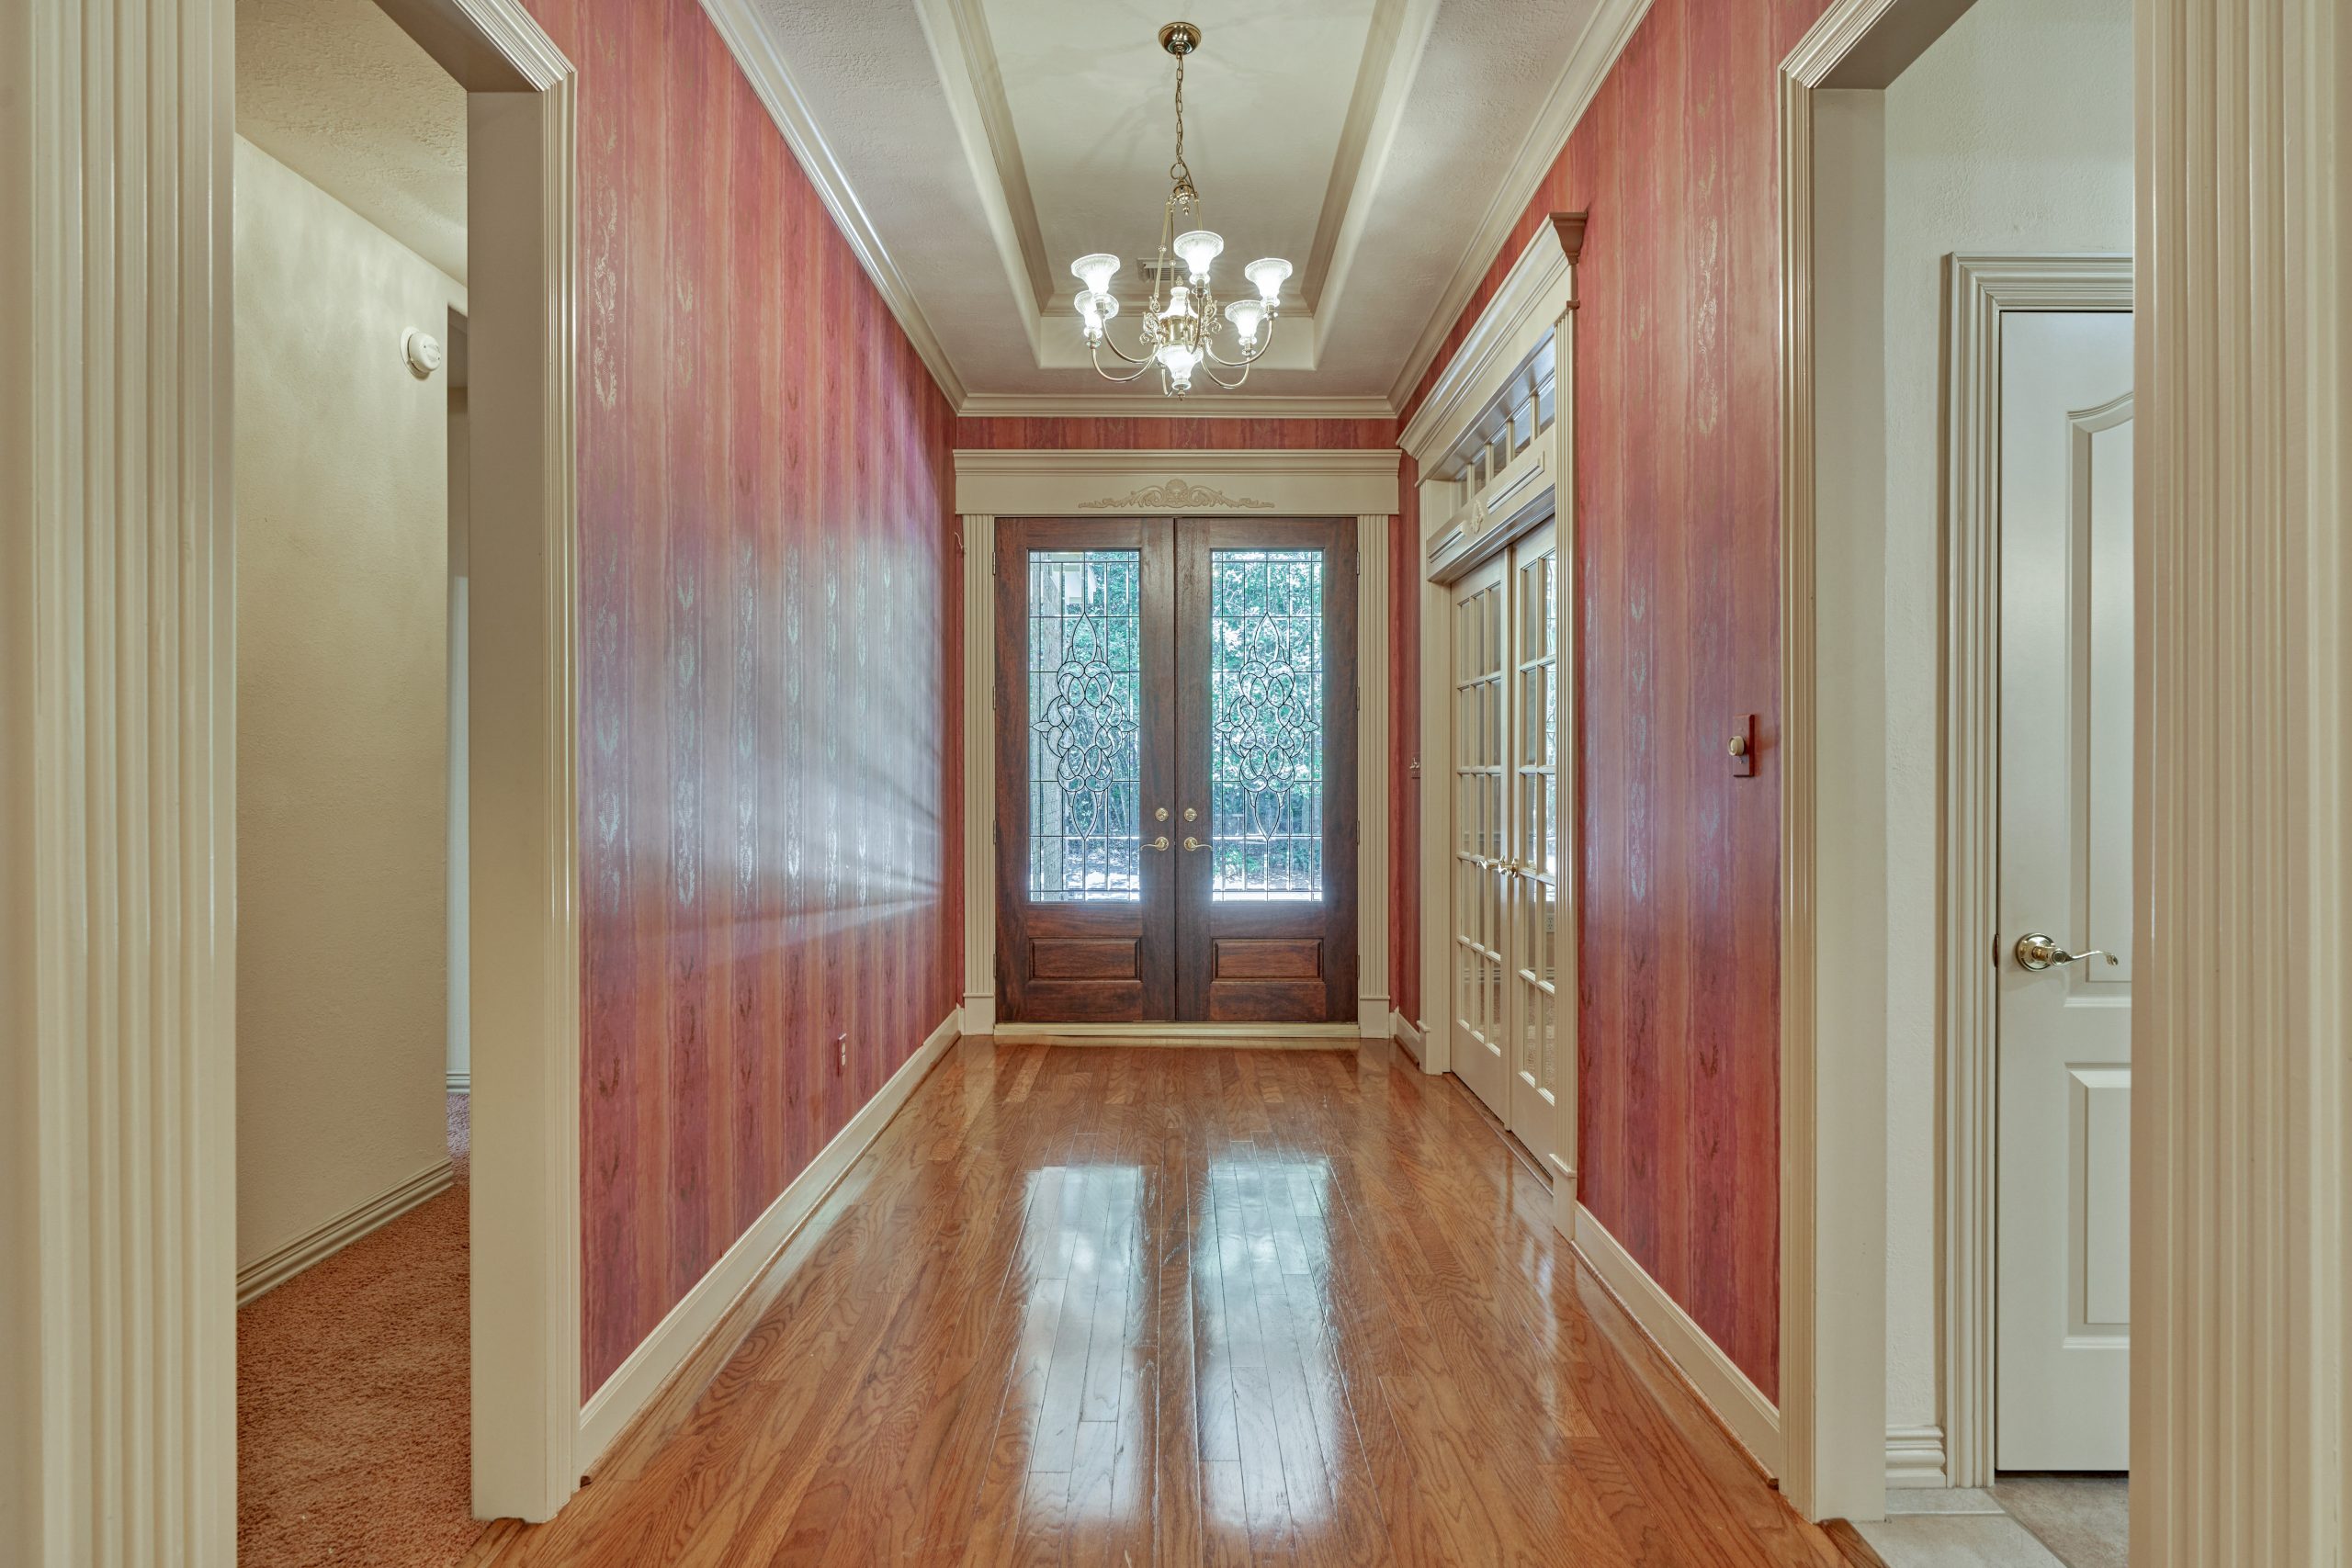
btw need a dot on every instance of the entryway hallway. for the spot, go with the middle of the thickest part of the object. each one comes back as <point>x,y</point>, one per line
<point>1130,1306</point>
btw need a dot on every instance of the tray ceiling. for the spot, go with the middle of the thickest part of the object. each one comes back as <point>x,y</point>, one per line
<point>977,146</point>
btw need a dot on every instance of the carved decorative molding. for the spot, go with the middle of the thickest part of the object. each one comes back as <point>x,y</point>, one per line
<point>1176,495</point>
<point>1063,482</point>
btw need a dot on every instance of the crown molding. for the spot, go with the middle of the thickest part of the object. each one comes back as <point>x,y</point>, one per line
<point>1325,482</point>
<point>739,27</point>
<point>1152,405</point>
<point>1597,50</point>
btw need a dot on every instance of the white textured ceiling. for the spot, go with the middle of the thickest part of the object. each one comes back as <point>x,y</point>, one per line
<point>989,143</point>
<point>337,92</point>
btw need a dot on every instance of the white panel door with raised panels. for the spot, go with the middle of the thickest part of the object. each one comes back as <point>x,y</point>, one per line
<point>2062,1347</point>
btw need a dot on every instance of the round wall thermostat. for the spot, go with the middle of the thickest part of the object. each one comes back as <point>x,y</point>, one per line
<point>424,351</point>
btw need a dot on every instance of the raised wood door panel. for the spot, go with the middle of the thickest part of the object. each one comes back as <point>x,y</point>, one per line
<point>1266,725</point>
<point>1085,762</point>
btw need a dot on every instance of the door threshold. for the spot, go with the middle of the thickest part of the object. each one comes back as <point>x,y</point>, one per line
<point>1255,1036</point>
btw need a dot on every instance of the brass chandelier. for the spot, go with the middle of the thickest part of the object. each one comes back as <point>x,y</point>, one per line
<point>1179,335</point>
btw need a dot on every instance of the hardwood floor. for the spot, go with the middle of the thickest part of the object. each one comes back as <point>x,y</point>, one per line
<point>1125,1307</point>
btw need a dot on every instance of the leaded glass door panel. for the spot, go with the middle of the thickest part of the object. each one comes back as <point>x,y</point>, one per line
<point>1085,665</point>
<point>1266,748</point>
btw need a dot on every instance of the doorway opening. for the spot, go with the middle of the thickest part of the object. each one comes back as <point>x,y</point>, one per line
<point>1958,620</point>
<point>1176,765</point>
<point>350,267</point>
<point>406,471</point>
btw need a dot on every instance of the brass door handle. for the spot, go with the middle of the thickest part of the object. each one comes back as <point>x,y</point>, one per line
<point>2038,951</point>
<point>1192,844</point>
<point>1160,843</point>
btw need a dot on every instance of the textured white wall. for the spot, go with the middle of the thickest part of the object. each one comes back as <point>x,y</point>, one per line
<point>342,694</point>
<point>2013,133</point>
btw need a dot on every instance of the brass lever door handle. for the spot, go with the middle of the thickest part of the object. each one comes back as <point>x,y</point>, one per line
<point>1160,843</point>
<point>1192,844</point>
<point>2038,951</point>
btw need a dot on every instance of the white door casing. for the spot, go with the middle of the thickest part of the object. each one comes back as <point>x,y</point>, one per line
<point>2065,871</point>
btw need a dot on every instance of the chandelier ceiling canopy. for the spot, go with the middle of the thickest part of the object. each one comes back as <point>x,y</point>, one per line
<point>1179,335</point>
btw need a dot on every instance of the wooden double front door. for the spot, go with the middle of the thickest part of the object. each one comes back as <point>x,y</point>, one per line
<point>1176,771</point>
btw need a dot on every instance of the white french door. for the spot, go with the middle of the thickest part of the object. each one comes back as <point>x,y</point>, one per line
<point>1533,854</point>
<point>1480,895</point>
<point>1506,892</point>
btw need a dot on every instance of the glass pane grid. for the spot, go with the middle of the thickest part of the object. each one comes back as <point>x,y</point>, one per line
<point>1085,682</point>
<point>1266,763</point>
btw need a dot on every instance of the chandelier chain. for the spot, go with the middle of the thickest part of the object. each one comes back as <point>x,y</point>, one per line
<point>1179,171</point>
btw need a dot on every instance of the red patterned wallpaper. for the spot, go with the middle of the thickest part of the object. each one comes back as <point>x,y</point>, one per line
<point>771,855</point>
<point>1677,495</point>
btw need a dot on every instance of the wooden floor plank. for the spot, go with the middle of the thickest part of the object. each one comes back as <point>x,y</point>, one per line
<point>1095,1306</point>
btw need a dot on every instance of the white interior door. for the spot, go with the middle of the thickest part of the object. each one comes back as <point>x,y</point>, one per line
<point>1533,869</point>
<point>1480,1004</point>
<point>2064,1016</point>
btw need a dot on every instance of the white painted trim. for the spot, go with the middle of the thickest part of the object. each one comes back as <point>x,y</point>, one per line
<point>118,823</point>
<point>1915,1458</point>
<point>266,1274</point>
<point>1510,328</point>
<point>1979,290</point>
<point>1404,1034</point>
<point>978,540</point>
<point>1156,405</point>
<point>1257,1036</point>
<point>1603,40</point>
<point>972,84</point>
<point>702,1309</point>
<point>523,749</point>
<point>457,1083</point>
<point>1727,1391</point>
<point>1372,775</point>
<point>1398,38</point>
<point>2242,1090</point>
<point>739,26</point>
<point>1114,483</point>
<point>1536,300</point>
<point>1833,1144</point>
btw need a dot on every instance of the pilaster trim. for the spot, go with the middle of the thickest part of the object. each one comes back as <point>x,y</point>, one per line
<point>1372,773</point>
<point>978,538</point>
<point>119,575</point>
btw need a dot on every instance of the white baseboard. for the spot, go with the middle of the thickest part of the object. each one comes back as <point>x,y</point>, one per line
<point>639,1379</point>
<point>1754,1421</point>
<point>1915,1457</point>
<point>266,1274</point>
<point>979,1012</point>
<point>1404,1034</point>
<point>1371,1017</point>
<point>458,1083</point>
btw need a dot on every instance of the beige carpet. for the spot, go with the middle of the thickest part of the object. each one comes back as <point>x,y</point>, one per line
<point>351,1399</point>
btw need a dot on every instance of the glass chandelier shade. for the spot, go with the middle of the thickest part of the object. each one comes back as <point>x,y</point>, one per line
<point>1177,334</point>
